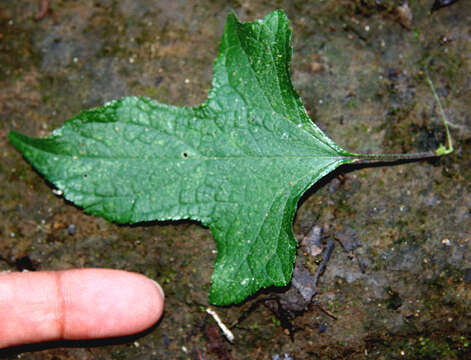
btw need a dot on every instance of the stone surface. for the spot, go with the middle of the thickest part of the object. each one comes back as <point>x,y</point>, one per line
<point>403,294</point>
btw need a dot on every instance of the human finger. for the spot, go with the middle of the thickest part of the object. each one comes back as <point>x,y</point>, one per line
<point>76,304</point>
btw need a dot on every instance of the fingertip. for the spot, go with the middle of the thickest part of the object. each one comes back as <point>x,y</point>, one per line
<point>161,291</point>
<point>151,300</point>
<point>124,303</point>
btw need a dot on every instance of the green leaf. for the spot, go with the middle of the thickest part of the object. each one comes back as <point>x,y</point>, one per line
<point>238,163</point>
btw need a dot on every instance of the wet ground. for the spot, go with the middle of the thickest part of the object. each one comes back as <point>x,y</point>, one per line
<point>358,65</point>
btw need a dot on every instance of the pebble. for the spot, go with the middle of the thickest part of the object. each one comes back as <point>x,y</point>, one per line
<point>322,328</point>
<point>312,242</point>
<point>71,229</point>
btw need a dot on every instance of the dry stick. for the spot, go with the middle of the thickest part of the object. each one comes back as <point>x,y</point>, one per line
<point>325,258</point>
<point>225,330</point>
<point>43,6</point>
<point>325,311</point>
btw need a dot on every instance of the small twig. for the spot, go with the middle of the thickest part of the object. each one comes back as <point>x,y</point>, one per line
<point>325,259</point>
<point>43,6</point>
<point>327,312</point>
<point>200,355</point>
<point>225,330</point>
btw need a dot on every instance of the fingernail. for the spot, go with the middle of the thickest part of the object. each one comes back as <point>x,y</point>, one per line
<point>157,285</point>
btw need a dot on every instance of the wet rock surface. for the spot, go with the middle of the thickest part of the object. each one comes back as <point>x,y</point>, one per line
<point>358,65</point>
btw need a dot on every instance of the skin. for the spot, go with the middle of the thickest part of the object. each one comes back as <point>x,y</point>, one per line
<point>76,304</point>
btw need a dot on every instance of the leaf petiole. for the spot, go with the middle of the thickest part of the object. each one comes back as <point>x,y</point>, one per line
<point>440,151</point>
